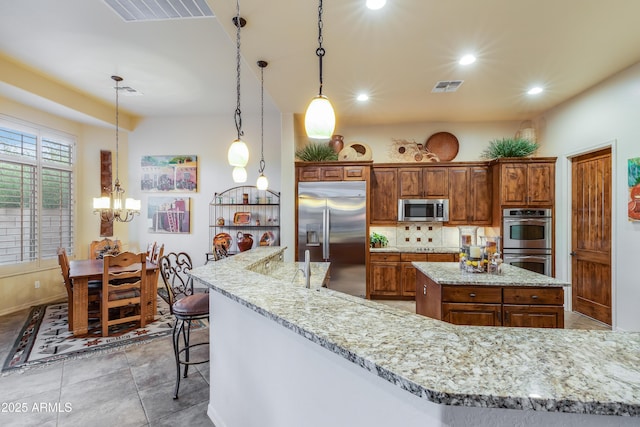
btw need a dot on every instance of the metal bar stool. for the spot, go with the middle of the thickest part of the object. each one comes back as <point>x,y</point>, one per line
<point>185,305</point>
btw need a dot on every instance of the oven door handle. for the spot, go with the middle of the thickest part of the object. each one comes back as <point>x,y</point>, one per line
<point>536,220</point>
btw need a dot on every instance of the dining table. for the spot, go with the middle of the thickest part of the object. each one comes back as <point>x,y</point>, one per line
<point>83,270</point>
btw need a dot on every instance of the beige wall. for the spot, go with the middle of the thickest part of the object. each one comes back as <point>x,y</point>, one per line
<point>17,283</point>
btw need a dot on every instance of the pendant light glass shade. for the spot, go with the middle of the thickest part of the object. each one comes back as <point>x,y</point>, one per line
<point>239,174</point>
<point>262,183</point>
<point>238,154</point>
<point>320,119</point>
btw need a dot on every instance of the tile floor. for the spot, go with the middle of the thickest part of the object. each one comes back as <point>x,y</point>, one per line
<point>131,387</point>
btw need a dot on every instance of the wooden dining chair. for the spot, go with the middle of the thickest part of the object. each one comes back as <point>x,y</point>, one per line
<point>186,306</point>
<point>99,248</point>
<point>151,248</point>
<point>158,251</point>
<point>123,284</point>
<point>94,287</point>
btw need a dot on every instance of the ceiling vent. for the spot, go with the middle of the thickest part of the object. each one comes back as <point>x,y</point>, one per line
<point>155,10</point>
<point>447,86</point>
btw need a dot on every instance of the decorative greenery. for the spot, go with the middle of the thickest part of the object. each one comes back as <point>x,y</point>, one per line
<point>378,239</point>
<point>315,152</point>
<point>509,147</point>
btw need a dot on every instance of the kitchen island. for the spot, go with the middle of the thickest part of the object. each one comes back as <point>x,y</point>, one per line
<point>517,297</point>
<point>284,355</point>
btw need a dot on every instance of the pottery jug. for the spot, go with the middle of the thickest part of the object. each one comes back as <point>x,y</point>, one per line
<point>245,241</point>
<point>337,143</point>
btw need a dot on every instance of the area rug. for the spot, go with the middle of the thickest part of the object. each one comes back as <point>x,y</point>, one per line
<point>45,337</point>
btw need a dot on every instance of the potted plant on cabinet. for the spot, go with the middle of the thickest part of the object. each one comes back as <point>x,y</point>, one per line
<point>509,147</point>
<point>378,240</point>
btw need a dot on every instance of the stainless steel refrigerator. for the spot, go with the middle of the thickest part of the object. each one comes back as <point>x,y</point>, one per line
<point>332,225</point>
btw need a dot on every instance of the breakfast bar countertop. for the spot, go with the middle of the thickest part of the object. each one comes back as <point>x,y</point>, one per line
<point>449,273</point>
<point>549,370</point>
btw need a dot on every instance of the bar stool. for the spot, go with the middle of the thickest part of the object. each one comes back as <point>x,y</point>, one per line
<point>185,305</point>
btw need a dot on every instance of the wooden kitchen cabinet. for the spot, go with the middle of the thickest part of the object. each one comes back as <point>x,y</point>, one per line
<point>470,198</point>
<point>384,274</point>
<point>331,171</point>
<point>423,182</point>
<point>384,196</point>
<point>524,183</point>
<point>534,307</point>
<point>515,306</point>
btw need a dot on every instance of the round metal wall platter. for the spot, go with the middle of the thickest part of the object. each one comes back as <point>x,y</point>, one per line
<point>444,145</point>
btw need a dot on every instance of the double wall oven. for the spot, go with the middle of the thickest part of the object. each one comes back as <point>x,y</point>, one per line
<point>527,240</point>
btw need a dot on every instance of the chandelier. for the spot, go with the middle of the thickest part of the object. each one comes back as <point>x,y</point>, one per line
<point>115,207</point>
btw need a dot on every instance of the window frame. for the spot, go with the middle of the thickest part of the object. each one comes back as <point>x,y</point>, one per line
<point>45,133</point>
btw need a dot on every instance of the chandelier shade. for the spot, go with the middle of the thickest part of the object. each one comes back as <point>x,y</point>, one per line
<point>116,207</point>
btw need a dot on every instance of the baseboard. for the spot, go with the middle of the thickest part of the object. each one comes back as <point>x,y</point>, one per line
<point>48,300</point>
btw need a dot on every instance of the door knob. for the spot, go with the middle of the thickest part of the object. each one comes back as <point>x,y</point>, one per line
<point>572,253</point>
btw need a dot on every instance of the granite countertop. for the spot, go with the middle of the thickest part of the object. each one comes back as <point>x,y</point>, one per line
<point>449,273</point>
<point>554,370</point>
<point>417,249</point>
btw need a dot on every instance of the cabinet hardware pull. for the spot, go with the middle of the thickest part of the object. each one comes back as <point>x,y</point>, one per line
<point>534,296</point>
<point>424,290</point>
<point>500,317</point>
<point>472,295</point>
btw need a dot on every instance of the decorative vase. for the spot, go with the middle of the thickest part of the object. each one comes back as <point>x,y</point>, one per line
<point>337,143</point>
<point>245,241</point>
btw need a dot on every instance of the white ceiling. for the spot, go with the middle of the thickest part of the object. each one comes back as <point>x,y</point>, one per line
<point>397,54</point>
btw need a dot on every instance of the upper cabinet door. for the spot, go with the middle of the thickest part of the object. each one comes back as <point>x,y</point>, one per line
<point>527,183</point>
<point>384,196</point>
<point>435,182</point>
<point>409,183</point>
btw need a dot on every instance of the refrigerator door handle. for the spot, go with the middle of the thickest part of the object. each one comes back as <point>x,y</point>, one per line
<point>325,234</point>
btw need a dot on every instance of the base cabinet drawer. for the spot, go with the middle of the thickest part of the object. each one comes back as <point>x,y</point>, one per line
<point>548,296</point>
<point>471,294</point>
<point>533,316</point>
<point>472,314</point>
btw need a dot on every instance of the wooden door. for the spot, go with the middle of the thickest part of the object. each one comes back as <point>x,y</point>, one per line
<point>384,196</point>
<point>591,235</point>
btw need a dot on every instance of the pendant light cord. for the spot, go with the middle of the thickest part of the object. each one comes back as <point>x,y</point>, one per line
<point>320,51</point>
<point>238,113</point>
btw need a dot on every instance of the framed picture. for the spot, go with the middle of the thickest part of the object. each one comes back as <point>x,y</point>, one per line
<point>633,205</point>
<point>169,173</point>
<point>169,214</point>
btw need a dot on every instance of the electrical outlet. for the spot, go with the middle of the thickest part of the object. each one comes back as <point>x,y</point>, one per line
<point>37,284</point>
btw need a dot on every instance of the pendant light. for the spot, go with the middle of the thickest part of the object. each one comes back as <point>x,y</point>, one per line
<point>320,119</point>
<point>115,207</point>
<point>238,154</point>
<point>263,182</point>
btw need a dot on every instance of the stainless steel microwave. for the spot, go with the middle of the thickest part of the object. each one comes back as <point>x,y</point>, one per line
<point>425,210</point>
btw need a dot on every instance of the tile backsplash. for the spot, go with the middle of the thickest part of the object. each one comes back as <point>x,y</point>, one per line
<point>421,234</point>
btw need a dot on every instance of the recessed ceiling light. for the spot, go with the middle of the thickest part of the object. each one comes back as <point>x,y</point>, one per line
<point>535,90</point>
<point>363,97</point>
<point>376,4</point>
<point>467,59</point>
